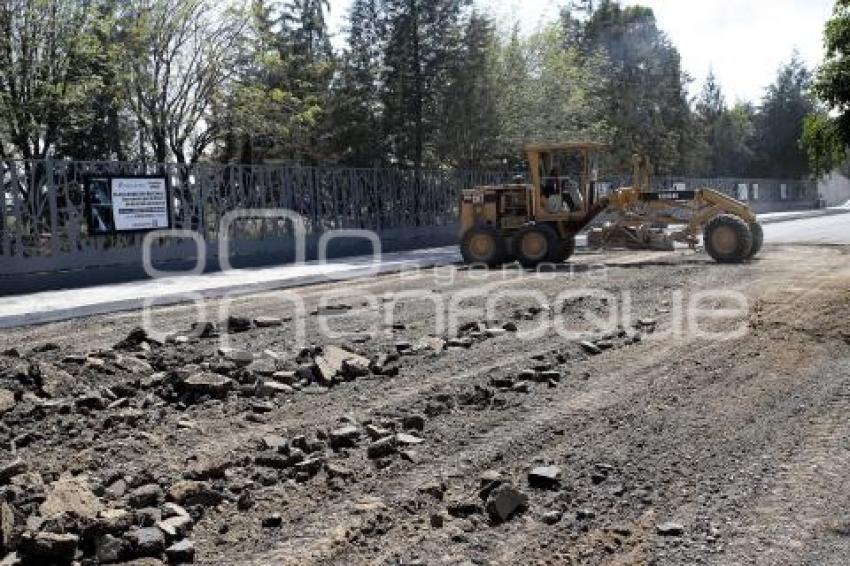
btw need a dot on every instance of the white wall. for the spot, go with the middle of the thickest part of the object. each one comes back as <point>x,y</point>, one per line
<point>835,188</point>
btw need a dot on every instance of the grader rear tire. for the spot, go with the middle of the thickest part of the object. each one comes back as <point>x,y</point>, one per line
<point>728,239</point>
<point>483,245</point>
<point>536,244</point>
<point>758,239</point>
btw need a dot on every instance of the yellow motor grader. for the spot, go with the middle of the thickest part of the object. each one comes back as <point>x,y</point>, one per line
<point>537,223</point>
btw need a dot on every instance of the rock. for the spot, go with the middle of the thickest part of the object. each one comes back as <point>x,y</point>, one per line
<point>236,324</point>
<point>52,381</point>
<point>495,332</point>
<point>47,547</point>
<point>269,388</point>
<point>510,327</point>
<point>521,387</point>
<point>7,401</point>
<point>403,346</point>
<point>148,516</point>
<point>552,517</point>
<point>464,343</point>
<point>262,407</point>
<point>549,376</point>
<point>336,470</point>
<point>272,521</point>
<point>7,527</point>
<point>502,382</point>
<point>355,367</point>
<point>489,477</point>
<point>405,439</point>
<point>245,501</point>
<point>11,469</point>
<point>286,377</point>
<point>134,340</point>
<point>430,344</point>
<point>590,348</point>
<point>208,384</point>
<point>149,495</point>
<point>268,321</point>
<point>205,330</point>
<point>382,448</point>
<point>278,461</point>
<point>413,422</point>
<point>545,477</point>
<point>622,530</point>
<point>528,375</point>
<point>110,549</point>
<point>670,529</point>
<point>190,492</point>
<point>147,541</point>
<point>175,527</point>
<point>488,481</point>
<point>114,521</point>
<point>275,443</point>
<point>462,508</point>
<point>585,514</point>
<point>345,437</point>
<point>334,360</point>
<point>70,495</point>
<point>241,358</point>
<point>437,520</point>
<point>309,467</point>
<point>181,552</point>
<point>504,501</point>
<point>410,456</point>
<point>375,432</point>
<point>173,510</point>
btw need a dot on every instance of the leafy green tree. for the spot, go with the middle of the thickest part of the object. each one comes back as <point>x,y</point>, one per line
<point>779,123</point>
<point>100,127</point>
<point>647,104</point>
<point>470,127</point>
<point>422,38</point>
<point>823,143</point>
<point>277,102</point>
<point>548,91</point>
<point>179,59</point>
<point>355,114</point>
<point>46,50</point>
<point>832,84</point>
<point>733,152</point>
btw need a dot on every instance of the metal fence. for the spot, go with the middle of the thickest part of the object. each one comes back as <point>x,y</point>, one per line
<point>43,226</point>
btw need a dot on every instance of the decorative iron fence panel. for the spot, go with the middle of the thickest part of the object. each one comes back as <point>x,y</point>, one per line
<point>43,219</point>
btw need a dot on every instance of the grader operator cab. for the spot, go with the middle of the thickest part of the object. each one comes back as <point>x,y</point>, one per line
<point>537,223</point>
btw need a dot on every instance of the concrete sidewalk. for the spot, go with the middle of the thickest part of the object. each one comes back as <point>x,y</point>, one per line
<point>774,217</point>
<point>53,306</point>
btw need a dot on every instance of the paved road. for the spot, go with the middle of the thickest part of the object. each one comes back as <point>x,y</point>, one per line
<point>54,306</point>
<point>824,230</point>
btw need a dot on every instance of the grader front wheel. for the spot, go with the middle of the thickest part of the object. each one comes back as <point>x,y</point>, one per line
<point>728,239</point>
<point>536,244</point>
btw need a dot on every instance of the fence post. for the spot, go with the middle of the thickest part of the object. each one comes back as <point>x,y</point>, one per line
<point>54,213</point>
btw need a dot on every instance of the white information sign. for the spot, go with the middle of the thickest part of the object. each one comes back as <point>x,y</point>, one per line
<point>139,204</point>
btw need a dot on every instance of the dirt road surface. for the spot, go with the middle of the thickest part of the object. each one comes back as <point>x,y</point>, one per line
<point>663,445</point>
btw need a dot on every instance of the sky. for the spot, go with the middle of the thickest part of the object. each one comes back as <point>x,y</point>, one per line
<point>743,41</point>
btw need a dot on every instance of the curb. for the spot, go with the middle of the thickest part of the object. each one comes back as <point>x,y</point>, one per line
<point>805,215</point>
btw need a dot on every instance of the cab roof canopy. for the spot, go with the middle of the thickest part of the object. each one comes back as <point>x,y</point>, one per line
<point>565,146</point>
